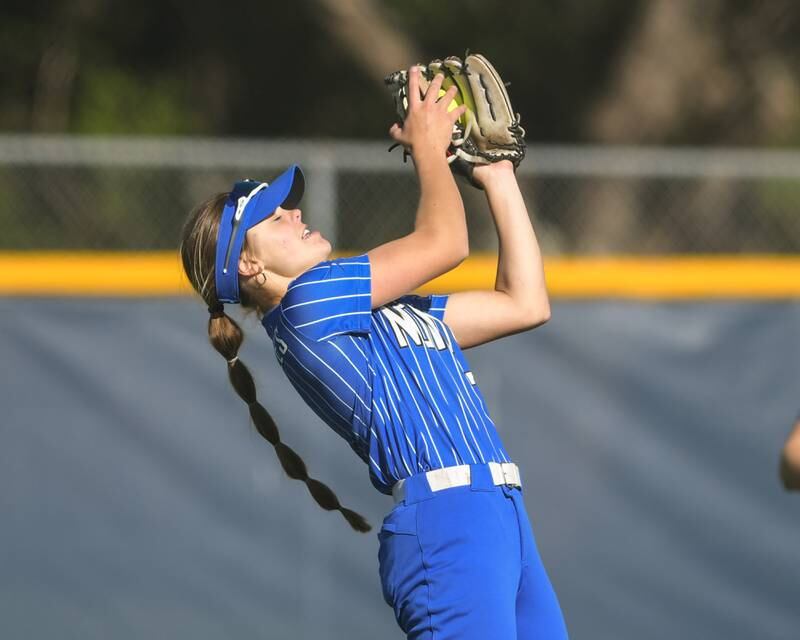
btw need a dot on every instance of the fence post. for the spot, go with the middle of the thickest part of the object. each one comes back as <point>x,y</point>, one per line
<point>321,199</point>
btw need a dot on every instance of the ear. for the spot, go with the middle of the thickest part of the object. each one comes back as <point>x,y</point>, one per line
<point>249,266</point>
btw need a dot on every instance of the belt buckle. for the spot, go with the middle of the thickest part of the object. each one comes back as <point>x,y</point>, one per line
<point>509,477</point>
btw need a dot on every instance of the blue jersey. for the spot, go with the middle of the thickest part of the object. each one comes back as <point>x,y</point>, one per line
<point>391,381</point>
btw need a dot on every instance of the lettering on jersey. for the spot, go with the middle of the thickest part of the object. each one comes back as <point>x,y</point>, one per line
<point>470,377</point>
<point>412,324</point>
<point>280,348</point>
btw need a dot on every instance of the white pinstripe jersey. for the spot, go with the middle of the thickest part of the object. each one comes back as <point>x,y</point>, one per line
<point>391,381</point>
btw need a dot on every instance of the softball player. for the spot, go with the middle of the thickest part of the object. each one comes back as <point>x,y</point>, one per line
<point>385,369</point>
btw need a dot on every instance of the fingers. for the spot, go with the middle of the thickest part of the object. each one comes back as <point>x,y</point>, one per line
<point>448,96</point>
<point>432,95</point>
<point>413,86</point>
<point>398,135</point>
<point>428,118</point>
<point>451,92</point>
<point>432,92</point>
<point>456,113</point>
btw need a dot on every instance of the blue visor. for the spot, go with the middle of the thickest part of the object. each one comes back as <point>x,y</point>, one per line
<point>248,204</point>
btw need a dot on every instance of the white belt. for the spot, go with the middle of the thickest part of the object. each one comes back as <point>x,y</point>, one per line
<point>446,477</point>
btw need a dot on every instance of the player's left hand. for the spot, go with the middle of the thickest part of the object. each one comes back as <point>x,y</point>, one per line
<point>486,173</point>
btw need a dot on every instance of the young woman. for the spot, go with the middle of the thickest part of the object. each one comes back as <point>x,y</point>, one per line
<point>385,369</point>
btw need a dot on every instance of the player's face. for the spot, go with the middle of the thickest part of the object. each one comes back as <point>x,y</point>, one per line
<point>278,243</point>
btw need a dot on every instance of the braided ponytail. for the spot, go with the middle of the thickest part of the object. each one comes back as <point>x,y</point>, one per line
<point>225,335</point>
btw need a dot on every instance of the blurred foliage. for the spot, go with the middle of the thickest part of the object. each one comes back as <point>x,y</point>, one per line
<point>113,102</point>
<point>654,72</point>
<point>260,69</point>
<point>557,55</point>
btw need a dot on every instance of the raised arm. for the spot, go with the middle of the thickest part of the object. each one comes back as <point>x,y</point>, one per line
<point>519,300</point>
<point>439,241</point>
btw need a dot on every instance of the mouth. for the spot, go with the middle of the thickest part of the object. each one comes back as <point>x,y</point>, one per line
<point>307,233</point>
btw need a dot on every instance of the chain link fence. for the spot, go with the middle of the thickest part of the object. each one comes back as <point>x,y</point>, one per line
<point>134,193</point>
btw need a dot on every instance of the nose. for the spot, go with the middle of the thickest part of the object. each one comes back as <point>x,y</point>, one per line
<point>297,214</point>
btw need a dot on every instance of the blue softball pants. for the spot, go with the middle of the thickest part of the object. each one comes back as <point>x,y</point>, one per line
<point>461,563</point>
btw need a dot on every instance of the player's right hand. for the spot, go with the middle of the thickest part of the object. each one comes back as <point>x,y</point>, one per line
<point>428,126</point>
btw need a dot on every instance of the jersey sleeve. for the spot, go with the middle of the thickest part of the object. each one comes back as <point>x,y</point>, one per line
<point>433,304</point>
<point>331,298</point>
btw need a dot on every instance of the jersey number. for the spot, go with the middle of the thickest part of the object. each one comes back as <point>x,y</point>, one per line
<point>280,349</point>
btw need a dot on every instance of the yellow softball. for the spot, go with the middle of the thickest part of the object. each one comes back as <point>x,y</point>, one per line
<point>462,119</point>
<point>453,104</point>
